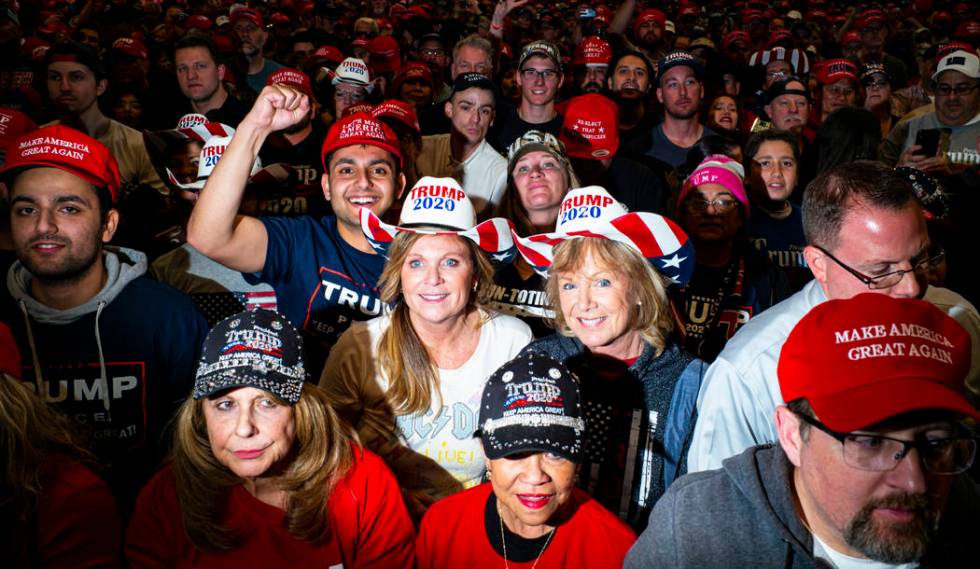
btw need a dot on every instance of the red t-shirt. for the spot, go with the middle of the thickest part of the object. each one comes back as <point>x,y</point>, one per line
<point>453,534</point>
<point>370,527</point>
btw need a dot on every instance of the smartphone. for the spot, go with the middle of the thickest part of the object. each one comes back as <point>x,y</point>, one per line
<point>928,139</point>
<point>586,13</point>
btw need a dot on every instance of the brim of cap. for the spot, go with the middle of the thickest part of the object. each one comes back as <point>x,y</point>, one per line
<point>493,236</point>
<point>674,250</point>
<point>540,53</point>
<point>208,386</point>
<point>535,146</point>
<point>7,174</point>
<point>961,69</point>
<point>870,404</point>
<point>494,454</point>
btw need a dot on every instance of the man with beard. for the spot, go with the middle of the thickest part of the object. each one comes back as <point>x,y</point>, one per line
<point>464,153</point>
<point>868,381</point>
<point>247,24</point>
<point>76,79</point>
<point>299,146</point>
<point>629,83</point>
<point>199,76</point>
<point>432,51</point>
<point>873,26</point>
<point>648,31</point>
<point>957,98</point>
<point>324,270</point>
<point>679,89</point>
<point>110,348</point>
<point>591,65</point>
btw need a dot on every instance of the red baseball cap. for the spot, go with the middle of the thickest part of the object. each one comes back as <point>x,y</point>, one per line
<point>400,111</point>
<point>833,70</point>
<point>246,14</point>
<point>869,17</point>
<point>650,15</point>
<point>13,125</point>
<point>736,36</point>
<point>9,353</point>
<point>360,128</point>
<point>851,38</point>
<point>278,18</point>
<point>131,47</point>
<point>293,78</point>
<point>198,22</point>
<point>385,54</point>
<point>865,359</point>
<point>593,50</point>
<point>328,53</point>
<point>590,127</point>
<point>409,72</point>
<point>65,149</point>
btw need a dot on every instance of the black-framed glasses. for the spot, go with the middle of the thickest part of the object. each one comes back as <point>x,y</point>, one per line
<point>530,74</point>
<point>946,90</point>
<point>888,280</point>
<point>721,205</point>
<point>878,453</point>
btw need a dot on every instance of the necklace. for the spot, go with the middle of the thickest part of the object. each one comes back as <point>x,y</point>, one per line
<point>503,541</point>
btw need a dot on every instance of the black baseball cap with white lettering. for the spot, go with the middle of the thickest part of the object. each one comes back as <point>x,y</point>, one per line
<point>466,81</point>
<point>676,58</point>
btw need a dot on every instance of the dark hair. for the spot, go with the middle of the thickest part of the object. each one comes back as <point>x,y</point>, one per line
<point>195,40</point>
<point>848,134</point>
<point>82,53</point>
<point>830,195</point>
<point>770,135</point>
<point>646,62</point>
<point>708,145</point>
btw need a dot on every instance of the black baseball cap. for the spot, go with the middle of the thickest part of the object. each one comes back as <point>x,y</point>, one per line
<point>466,81</point>
<point>676,58</point>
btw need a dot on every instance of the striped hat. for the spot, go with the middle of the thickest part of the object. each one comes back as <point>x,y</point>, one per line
<point>439,206</point>
<point>794,56</point>
<point>592,212</point>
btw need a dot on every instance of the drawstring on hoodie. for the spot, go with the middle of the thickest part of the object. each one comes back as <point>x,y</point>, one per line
<point>98,342</point>
<point>38,380</point>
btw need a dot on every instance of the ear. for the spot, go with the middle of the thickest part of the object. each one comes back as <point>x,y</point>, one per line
<point>561,80</point>
<point>325,185</point>
<point>221,71</point>
<point>101,86</point>
<point>768,110</point>
<point>448,109</point>
<point>111,223</point>
<point>609,82</point>
<point>400,185</point>
<point>817,261</point>
<point>660,95</point>
<point>788,430</point>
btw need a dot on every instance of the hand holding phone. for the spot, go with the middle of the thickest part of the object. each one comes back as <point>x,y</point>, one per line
<point>928,141</point>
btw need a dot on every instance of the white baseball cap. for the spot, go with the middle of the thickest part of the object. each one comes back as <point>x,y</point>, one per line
<point>963,61</point>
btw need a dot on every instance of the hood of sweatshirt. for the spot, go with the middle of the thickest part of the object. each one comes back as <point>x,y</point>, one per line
<point>122,267</point>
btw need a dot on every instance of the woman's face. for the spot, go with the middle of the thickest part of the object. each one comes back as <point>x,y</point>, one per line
<point>540,181</point>
<point>250,432</point>
<point>594,301</point>
<point>437,278</point>
<point>128,110</point>
<point>773,172</point>
<point>530,489</point>
<point>711,214</point>
<point>416,92</point>
<point>346,95</point>
<point>723,113</point>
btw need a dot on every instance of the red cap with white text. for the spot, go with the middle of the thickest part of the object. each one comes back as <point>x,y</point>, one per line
<point>866,359</point>
<point>360,128</point>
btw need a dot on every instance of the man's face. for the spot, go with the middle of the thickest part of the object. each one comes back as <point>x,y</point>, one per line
<point>539,80</point>
<point>680,92</point>
<point>471,59</point>
<point>591,78</point>
<point>361,176</point>
<point>957,98</point>
<point>649,33</point>
<point>198,76</point>
<point>251,36</point>
<point>72,87</point>
<point>838,95</point>
<point>90,37</point>
<point>874,242</point>
<point>789,111</point>
<point>630,79</point>
<point>777,70</point>
<point>434,55</point>
<point>887,516</point>
<point>56,225</point>
<point>363,30</point>
<point>873,37</point>
<point>471,112</point>
<point>302,50</point>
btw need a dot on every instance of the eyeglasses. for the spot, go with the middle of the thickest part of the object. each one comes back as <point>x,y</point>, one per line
<point>888,280</point>
<point>946,90</point>
<point>530,74</point>
<point>878,453</point>
<point>721,205</point>
<point>873,85</point>
<point>350,96</point>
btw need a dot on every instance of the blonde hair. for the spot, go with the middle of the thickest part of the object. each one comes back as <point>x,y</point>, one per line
<point>652,316</point>
<point>405,362</point>
<point>322,454</point>
<point>31,431</point>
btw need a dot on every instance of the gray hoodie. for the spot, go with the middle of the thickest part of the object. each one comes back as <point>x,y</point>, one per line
<point>743,515</point>
<point>122,266</point>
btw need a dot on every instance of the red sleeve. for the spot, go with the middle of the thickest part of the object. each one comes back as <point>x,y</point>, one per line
<point>78,522</point>
<point>155,529</point>
<point>384,533</point>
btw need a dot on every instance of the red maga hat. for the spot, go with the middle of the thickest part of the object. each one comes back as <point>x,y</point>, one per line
<point>65,149</point>
<point>866,359</point>
<point>360,128</point>
<point>398,110</point>
<point>293,78</point>
<point>593,50</point>
<point>590,127</point>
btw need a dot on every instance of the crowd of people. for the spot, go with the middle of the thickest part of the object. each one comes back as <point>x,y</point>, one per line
<point>489,283</point>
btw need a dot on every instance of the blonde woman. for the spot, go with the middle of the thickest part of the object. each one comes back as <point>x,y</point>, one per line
<point>410,381</point>
<point>263,473</point>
